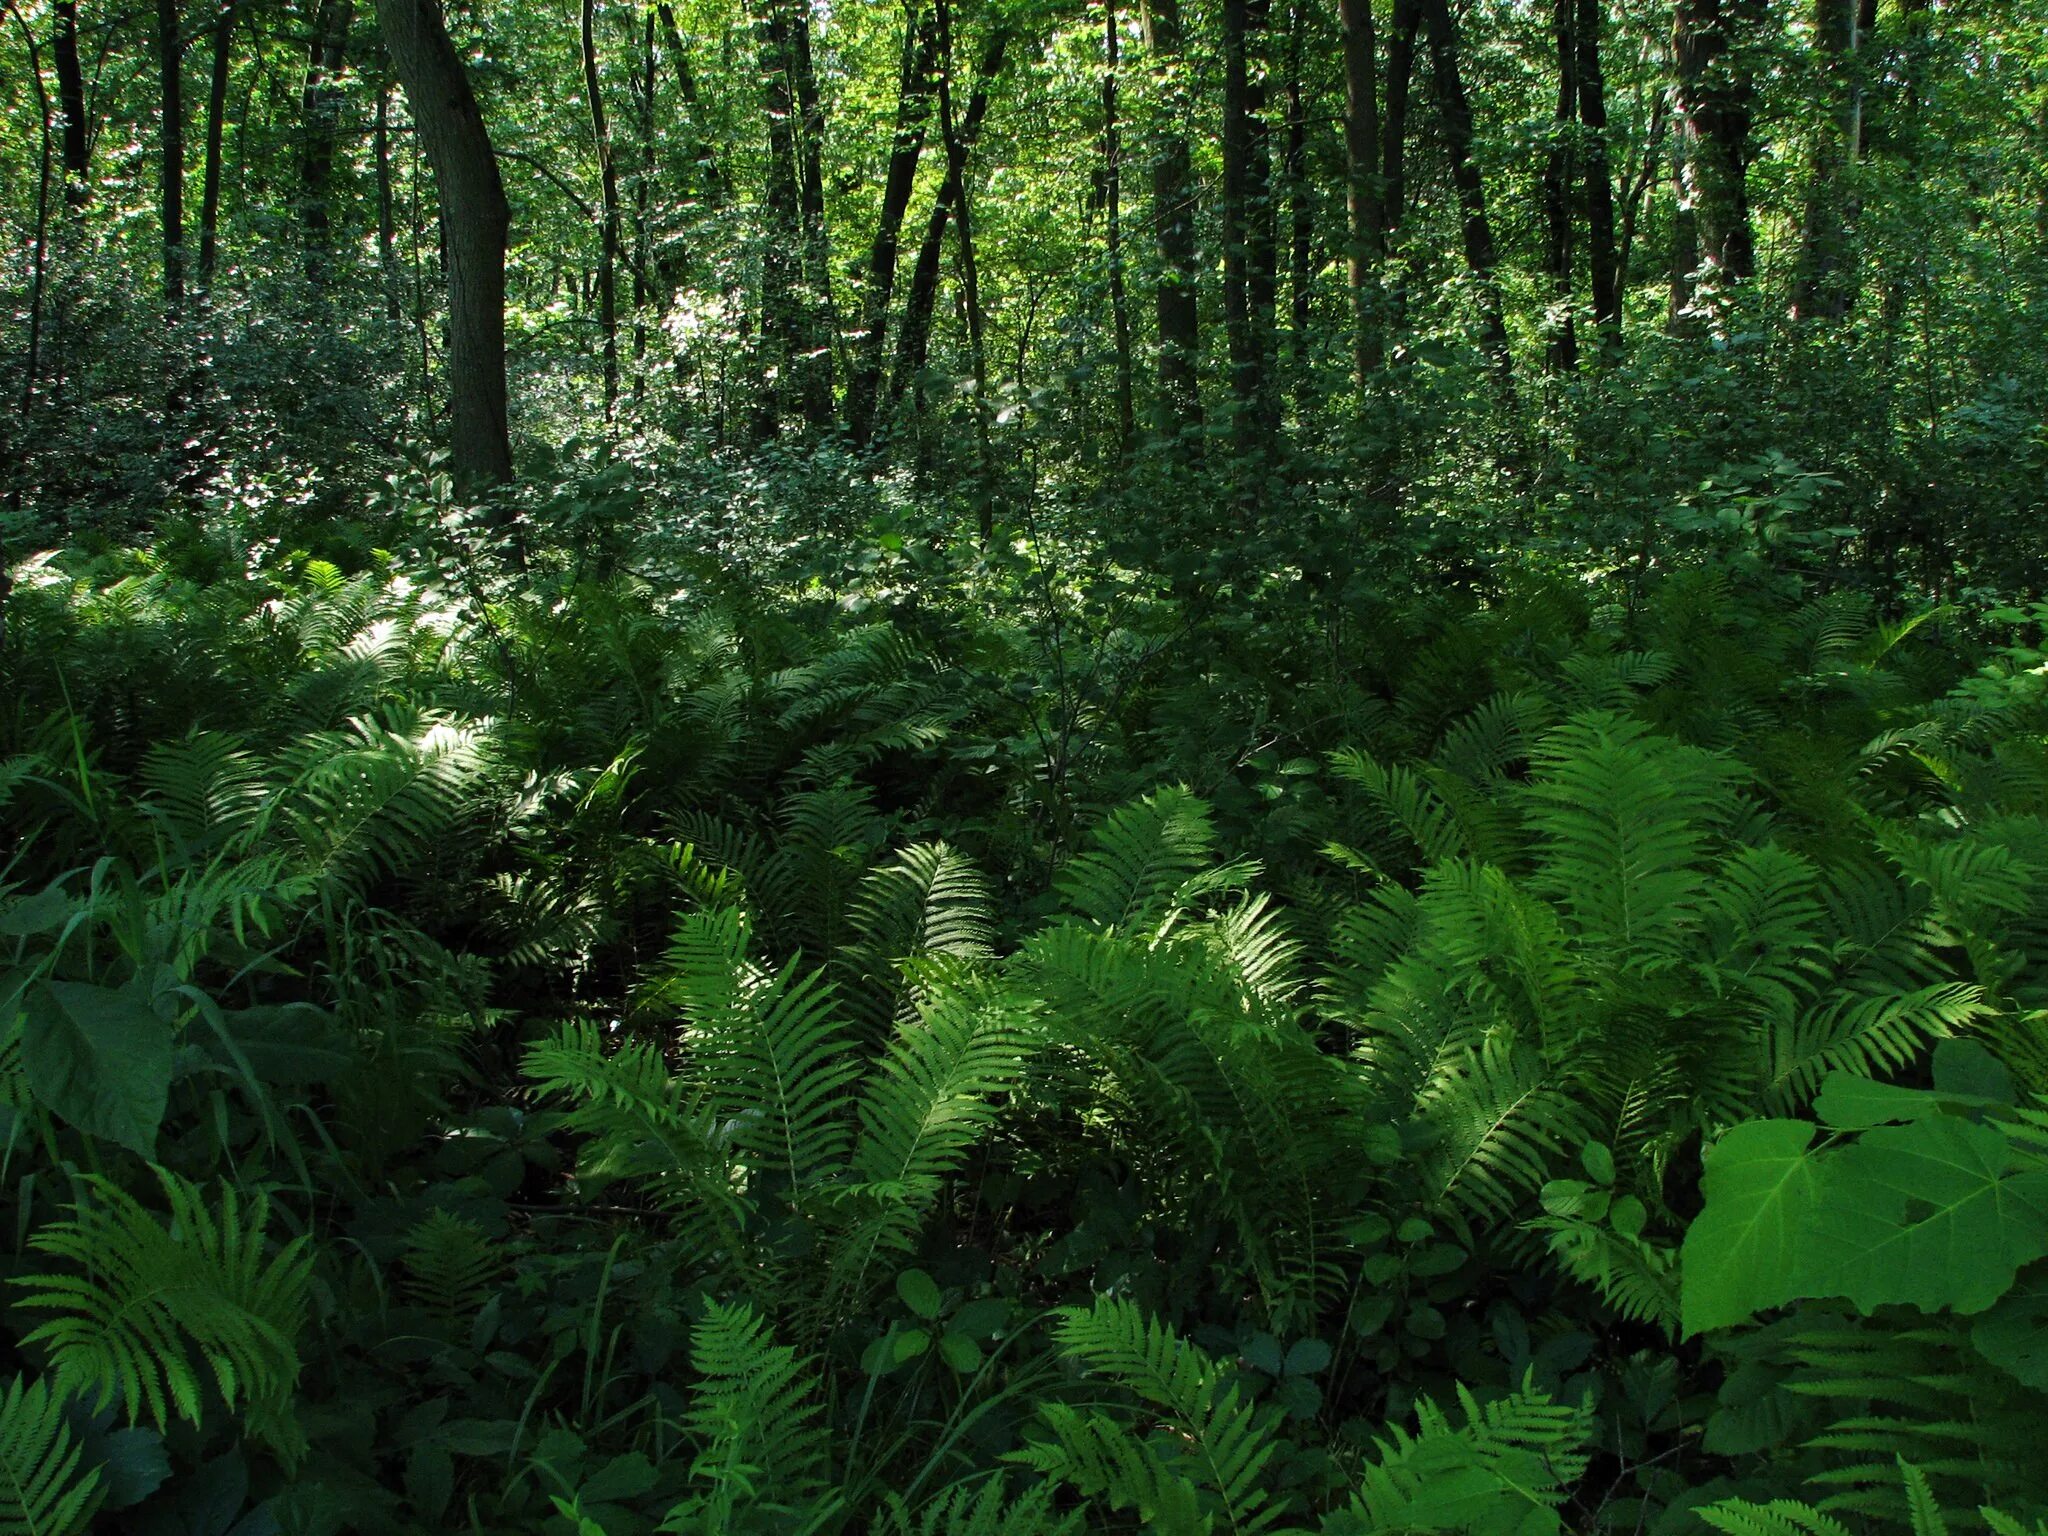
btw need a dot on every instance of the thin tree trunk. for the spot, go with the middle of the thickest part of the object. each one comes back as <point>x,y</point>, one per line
<point>475,221</point>
<point>1301,204</point>
<point>1113,216</point>
<point>320,111</point>
<point>1602,263</point>
<point>1562,353</point>
<point>171,157</point>
<point>608,213</point>
<point>713,185</point>
<point>821,307</point>
<point>387,237</point>
<point>216,126</point>
<point>1173,232</point>
<point>876,278</point>
<point>1365,246</point>
<point>1407,23</point>
<point>1455,111</point>
<point>40,250</point>
<point>913,341</point>
<point>1248,280</point>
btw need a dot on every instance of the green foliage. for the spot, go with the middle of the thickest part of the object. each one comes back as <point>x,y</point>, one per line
<point>45,1490</point>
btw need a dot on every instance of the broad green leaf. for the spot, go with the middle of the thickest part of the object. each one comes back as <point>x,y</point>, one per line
<point>99,1058</point>
<point>1741,1254</point>
<point>1961,1223</point>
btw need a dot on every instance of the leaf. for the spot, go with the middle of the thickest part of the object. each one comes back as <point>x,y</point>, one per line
<point>99,1058</point>
<point>1762,1188</point>
<point>2013,1335</point>
<point>1960,1224</point>
<point>920,1293</point>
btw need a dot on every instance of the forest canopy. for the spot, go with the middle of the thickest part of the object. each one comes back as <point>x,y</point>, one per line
<point>1024,767</point>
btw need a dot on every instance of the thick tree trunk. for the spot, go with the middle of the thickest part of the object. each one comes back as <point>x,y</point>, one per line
<point>608,212</point>
<point>475,220</point>
<point>1562,353</point>
<point>876,278</point>
<point>77,140</point>
<point>1113,225</point>
<point>1824,288</point>
<point>1455,112</point>
<point>1365,245</point>
<point>1602,263</point>
<point>216,127</point>
<point>171,153</point>
<point>1173,231</point>
<point>1248,277</point>
<point>320,111</point>
<point>1711,40</point>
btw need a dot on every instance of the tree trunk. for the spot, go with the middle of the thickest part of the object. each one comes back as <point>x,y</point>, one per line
<point>1824,286</point>
<point>39,260</point>
<point>608,213</point>
<point>913,341</point>
<point>1113,240</point>
<point>1173,232</point>
<point>320,110</point>
<point>1365,246</point>
<point>387,224</point>
<point>216,126</point>
<point>876,277</point>
<point>475,221</point>
<point>1562,353</point>
<point>1711,41</point>
<point>1407,22</point>
<point>1455,111</point>
<point>795,334</point>
<point>171,157</point>
<point>77,141</point>
<point>1248,278</point>
<point>1602,263</point>
<point>822,310</point>
<point>713,186</point>
<point>1301,205</point>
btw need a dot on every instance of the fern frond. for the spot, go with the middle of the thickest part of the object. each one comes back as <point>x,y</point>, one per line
<point>146,1298</point>
<point>43,1492</point>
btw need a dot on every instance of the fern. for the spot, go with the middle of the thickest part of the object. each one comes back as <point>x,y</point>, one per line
<point>1140,862</point>
<point>43,1490</point>
<point>1503,1471</point>
<point>1218,1446</point>
<point>760,1457</point>
<point>146,1298</point>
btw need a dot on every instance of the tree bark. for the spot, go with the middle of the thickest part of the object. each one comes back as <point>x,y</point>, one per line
<point>1173,232</point>
<point>476,221</point>
<point>1113,240</point>
<point>713,186</point>
<point>387,224</point>
<point>1366,230</point>
<point>1455,111</point>
<point>1603,268</point>
<point>1407,23</point>
<point>913,341</point>
<point>1824,288</point>
<point>320,112</point>
<point>216,126</point>
<point>1301,203</point>
<point>1713,101</point>
<point>795,334</point>
<point>171,153</point>
<point>77,141</point>
<point>876,277</point>
<point>1248,277</point>
<point>1562,352</point>
<point>608,212</point>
